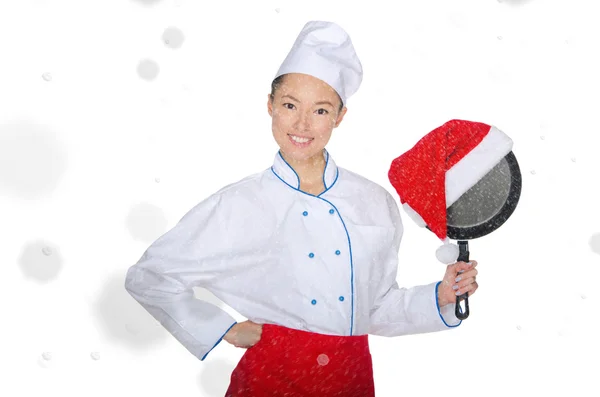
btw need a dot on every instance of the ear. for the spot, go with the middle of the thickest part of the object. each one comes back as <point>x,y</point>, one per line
<point>269,105</point>
<point>340,117</point>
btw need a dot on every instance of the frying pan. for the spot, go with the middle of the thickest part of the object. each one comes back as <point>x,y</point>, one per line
<point>482,209</point>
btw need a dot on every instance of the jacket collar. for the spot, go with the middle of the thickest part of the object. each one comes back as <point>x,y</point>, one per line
<point>286,173</point>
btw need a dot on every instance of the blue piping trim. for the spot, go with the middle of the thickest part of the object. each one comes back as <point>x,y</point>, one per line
<point>337,174</point>
<point>437,304</point>
<point>347,235</point>
<point>219,341</point>
<point>325,170</point>
<point>297,177</point>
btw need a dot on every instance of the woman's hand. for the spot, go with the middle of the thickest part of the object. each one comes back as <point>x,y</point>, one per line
<point>449,289</point>
<point>245,334</point>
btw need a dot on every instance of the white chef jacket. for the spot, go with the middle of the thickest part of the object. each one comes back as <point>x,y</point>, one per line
<point>277,255</point>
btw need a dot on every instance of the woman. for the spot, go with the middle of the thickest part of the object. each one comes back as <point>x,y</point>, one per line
<point>305,250</point>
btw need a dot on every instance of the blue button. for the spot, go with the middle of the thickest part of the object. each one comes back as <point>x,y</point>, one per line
<point>341,298</point>
<point>331,211</point>
<point>305,213</point>
<point>337,252</point>
<point>314,302</point>
<point>311,255</point>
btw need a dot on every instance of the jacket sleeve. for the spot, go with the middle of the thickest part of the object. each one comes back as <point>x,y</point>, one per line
<point>404,311</point>
<point>193,253</point>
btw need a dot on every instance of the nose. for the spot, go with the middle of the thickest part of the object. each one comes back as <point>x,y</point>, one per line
<point>303,121</point>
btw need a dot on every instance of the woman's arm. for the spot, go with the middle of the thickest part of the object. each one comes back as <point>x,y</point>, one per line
<point>404,311</point>
<point>186,256</point>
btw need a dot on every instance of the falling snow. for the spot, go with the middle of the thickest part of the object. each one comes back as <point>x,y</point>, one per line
<point>173,37</point>
<point>148,69</point>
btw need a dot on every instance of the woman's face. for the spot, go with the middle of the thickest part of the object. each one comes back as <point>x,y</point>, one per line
<point>304,112</point>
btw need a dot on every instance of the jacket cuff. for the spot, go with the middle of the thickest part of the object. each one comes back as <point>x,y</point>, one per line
<point>219,341</point>
<point>446,312</point>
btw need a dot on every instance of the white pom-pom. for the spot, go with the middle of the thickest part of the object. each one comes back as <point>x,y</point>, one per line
<point>447,253</point>
<point>414,215</point>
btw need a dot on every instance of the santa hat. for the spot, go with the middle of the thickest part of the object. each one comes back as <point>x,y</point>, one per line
<point>440,168</point>
<point>324,50</point>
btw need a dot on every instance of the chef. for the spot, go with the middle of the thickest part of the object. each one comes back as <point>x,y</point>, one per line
<point>305,250</point>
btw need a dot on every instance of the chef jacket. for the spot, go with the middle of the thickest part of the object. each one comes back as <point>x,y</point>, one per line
<point>322,263</point>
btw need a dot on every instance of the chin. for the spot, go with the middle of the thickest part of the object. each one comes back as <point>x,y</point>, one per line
<point>301,155</point>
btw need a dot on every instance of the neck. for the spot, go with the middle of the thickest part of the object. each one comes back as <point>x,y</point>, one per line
<point>310,170</point>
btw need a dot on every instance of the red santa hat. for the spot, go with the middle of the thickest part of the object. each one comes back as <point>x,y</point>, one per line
<point>440,168</point>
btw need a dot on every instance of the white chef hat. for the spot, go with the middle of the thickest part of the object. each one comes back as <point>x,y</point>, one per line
<point>324,50</point>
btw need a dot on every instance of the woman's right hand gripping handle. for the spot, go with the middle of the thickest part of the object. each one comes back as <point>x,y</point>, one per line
<point>245,334</point>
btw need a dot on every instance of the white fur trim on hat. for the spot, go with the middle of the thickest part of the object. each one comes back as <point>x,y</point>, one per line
<point>414,215</point>
<point>476,164</point>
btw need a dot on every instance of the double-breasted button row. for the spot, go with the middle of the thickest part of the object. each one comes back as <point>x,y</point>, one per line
<point>312,255</point>
<point>331,211</point>
<point>314,301</point>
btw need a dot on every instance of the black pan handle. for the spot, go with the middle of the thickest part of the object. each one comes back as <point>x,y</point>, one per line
<point>463,256</point>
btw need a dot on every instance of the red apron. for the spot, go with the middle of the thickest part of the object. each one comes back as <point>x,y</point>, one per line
<point>293,363</point>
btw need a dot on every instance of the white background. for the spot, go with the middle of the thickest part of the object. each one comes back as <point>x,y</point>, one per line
<point>97,161</point>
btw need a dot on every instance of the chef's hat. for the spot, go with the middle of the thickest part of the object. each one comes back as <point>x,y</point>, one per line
<point>324,50</point>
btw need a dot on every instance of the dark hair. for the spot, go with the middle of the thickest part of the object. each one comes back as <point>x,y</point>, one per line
<point>279,80</point>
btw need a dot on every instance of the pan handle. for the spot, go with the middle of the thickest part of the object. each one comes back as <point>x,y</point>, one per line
<point>463,256</point>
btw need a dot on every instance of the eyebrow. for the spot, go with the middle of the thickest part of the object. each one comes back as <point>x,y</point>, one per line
<point>316,103</point>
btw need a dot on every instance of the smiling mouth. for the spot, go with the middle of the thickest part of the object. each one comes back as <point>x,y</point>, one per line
<point>300,139</point>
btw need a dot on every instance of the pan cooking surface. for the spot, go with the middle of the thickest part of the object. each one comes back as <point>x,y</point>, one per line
<point>484,200</point>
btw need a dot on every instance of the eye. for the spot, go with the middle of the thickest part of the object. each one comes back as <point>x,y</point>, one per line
<point>288,105</point>
<point>324,111</point>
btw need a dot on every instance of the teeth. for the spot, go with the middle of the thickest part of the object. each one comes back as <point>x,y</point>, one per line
<point>300,140</point>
